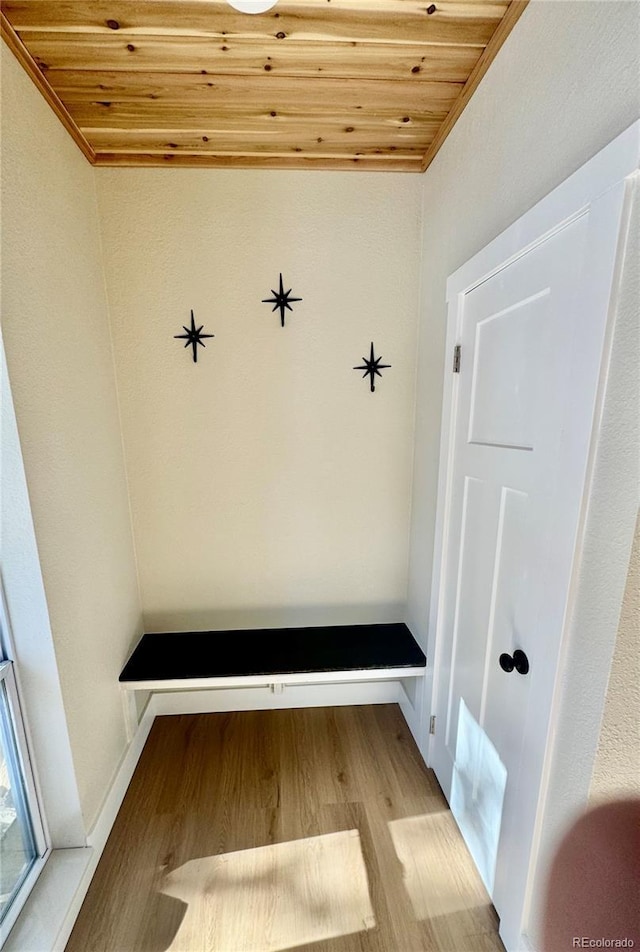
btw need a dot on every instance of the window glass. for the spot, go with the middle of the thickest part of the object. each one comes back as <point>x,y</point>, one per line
<point>18,851</point>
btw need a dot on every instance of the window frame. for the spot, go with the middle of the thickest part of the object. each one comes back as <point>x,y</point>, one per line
<point>16,713</point>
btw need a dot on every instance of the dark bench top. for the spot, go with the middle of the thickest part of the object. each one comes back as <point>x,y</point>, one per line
<point>265,651</point>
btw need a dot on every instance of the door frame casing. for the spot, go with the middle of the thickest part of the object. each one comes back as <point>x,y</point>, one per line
<point>608,512</point>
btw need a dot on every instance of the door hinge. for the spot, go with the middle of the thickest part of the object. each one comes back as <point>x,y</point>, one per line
<point>432,724</point>
<point>456,358</point>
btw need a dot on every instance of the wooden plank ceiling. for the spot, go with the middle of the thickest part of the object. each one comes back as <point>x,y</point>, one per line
<point>364,84</point>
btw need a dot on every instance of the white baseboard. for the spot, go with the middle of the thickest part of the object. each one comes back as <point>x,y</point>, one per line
<point>410,716</point>
<point>102,827</point>
<point>97,838</point>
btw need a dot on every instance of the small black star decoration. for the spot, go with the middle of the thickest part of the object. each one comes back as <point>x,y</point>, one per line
<point>371,367</point>
<point>193,335</point>
<point>281,300</point>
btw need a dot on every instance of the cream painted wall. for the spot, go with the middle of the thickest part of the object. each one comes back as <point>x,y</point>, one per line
<point>268,485</point>
<point>563,86</point>
<point>55,328</point>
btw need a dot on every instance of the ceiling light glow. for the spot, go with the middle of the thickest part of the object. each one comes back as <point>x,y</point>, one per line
<point>252,6</point>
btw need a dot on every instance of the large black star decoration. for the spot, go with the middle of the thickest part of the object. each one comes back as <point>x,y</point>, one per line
<point>281,300</point>
<point>193,336</point>
<point>371,367</point>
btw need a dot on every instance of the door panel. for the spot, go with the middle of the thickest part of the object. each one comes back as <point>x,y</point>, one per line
<point>508,624</point>
<point>507,366</point>
<point>471,602</point>
<point>523,415</point>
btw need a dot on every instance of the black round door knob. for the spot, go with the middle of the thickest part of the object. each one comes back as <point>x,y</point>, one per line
<point>519,661</point>
<point>506,662</point>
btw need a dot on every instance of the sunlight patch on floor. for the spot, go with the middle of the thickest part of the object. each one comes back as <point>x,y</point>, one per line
<point>439,874</point>
<point>274,897</point>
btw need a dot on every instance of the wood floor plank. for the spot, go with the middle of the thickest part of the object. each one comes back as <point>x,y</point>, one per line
<point>316,829</point>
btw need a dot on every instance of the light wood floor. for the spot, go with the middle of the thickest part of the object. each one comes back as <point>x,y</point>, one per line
<point>319,830</point>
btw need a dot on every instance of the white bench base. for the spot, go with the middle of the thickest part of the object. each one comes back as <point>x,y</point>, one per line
<point>258,693</point>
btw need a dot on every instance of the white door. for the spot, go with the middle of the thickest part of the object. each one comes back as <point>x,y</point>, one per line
<point>533,329</point>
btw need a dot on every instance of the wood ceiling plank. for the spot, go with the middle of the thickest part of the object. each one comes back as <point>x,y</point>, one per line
<point>238,92</point>
<point>399,21</point>
<point>128,115</point>
<point>230,56</point>
<point>300,138</point>
<point>265,124</point>
<point>251,161</point>
<point>448,64</point>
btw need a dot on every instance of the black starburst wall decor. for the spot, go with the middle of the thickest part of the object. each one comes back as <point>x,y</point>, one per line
<point>193,336</point>
<point>371,367</point>
<point>281,299</point>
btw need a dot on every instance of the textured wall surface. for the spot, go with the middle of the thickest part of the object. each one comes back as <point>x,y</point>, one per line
<point>268,485</point>
<point>60,364</point>
<point>616,771</point>
<point>563,86</point>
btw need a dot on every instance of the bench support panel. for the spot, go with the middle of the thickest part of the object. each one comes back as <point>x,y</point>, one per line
<point>264,699</point>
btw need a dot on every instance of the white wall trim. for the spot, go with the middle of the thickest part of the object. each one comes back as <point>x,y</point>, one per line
<point>411,705</point>
<point>99,834</point>
<point>570,199</point>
